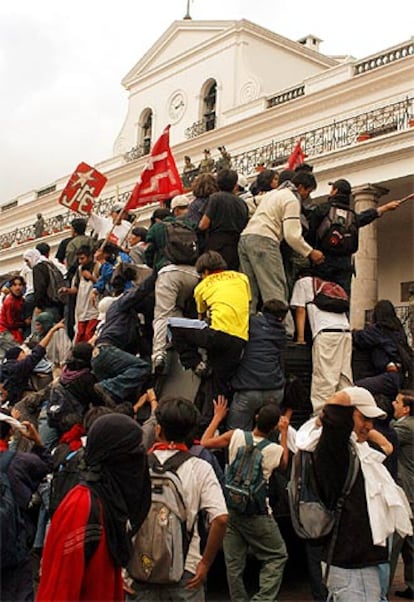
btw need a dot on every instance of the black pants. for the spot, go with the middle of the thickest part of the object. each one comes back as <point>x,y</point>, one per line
<point>224,352</point>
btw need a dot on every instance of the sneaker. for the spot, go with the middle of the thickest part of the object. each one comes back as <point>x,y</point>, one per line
<point>202,370</point>
<point>158,365</point>
<point>106,397</point>
<point>408,594</point>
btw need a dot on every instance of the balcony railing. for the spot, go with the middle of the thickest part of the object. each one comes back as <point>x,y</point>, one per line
<point>380,60</point>
<point>136,152</point>
<point>334,136</point>
<point>199,127</point>
<point>286,96</point>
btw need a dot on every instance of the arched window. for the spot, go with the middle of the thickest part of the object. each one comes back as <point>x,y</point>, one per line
<point>145,131</point>
<point>209,97</point>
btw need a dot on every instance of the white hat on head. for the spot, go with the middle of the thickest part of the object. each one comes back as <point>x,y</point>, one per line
<point>363,401</point>
<point>181,200</point>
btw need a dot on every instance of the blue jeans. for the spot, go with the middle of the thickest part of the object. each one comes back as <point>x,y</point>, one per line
<point>245,404</point>
<point>119,372</point>
<point>354,585</point>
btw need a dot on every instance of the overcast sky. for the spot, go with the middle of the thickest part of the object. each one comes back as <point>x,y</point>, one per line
<point>61,64</point>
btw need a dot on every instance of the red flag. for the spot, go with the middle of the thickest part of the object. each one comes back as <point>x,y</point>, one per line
<point>297,157</point>
<point>160,179</point>
<point>83,188</point>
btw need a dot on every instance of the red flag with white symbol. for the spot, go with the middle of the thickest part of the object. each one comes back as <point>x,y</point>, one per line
<point>297,157</point>
<point>160,179</point>
<point>84,186</point>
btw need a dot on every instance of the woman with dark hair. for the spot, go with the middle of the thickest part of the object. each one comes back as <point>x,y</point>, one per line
<point>203,185</point>
<point>89,539</point>
<point>389,352</point>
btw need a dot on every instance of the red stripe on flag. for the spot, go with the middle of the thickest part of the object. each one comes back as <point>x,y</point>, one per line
<point>160,179</point>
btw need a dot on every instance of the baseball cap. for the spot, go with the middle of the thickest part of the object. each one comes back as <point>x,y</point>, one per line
<point>342,186</point>
<point>363,401</point>
<point>181,200</point>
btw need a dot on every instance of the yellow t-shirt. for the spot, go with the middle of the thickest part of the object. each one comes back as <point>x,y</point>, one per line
<point>226,297</point>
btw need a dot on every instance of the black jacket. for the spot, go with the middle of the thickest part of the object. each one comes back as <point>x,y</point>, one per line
<point>260,367</point>
<point>15,374</point>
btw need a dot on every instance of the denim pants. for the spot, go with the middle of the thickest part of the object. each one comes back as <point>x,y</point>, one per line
<point>354,585</point>
<point>259,535</point>
<point>245,405</point>
<point>120,372</point>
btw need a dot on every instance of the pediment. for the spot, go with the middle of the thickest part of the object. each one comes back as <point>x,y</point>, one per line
<point>194,36</point>
<point>177,39</point>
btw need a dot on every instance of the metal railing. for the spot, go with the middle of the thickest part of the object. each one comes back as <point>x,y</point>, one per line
<point>199,127</point>
<point>336,135</point>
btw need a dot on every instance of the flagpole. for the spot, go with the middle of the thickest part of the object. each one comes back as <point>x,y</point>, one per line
<point>117,220</point>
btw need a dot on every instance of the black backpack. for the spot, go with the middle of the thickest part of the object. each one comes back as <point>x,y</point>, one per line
<point>12,527</point>
<point>181,243</point>
<point>337,234</point>
<point>66,475</point>
<point>61,403</point>
<point>56,282</point>
<point>329,296</point>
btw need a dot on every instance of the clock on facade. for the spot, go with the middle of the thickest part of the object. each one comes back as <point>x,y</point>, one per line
<point>176,106</point>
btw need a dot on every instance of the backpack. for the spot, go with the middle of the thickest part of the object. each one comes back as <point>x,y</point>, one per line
<point>181,243</point>
<point>56,282</point>
<point>245,486</point>
<point>61,403</point>
<point>311,519</point>
<point>66,475</point>
<point>329,296</point>
<point>12,526</point>
<point>337,234</point>
<point>160,547</point>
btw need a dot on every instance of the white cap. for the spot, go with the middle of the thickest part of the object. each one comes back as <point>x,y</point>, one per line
<point>363,401</point>
<point>181,200</point>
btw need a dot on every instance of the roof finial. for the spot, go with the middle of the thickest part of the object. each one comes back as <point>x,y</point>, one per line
<point>187,16</point>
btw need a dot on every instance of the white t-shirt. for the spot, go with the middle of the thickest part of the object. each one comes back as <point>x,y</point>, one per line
<point>272,453</point>
<point>202,491</point>
<point>303,295</point>
<point>84,309</point>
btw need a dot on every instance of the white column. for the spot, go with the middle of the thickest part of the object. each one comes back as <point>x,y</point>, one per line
<point>365,283</point>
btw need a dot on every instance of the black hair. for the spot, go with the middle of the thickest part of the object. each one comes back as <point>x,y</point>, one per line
<point>264,180</point>
<point>306,167</point>
<point>110,248</point>
<point>19,278</point>
<point>407,396</point>
<point>43,248</point>
<point>304,178</point>
<point>211,261</point>
<point>384,315</point>
<point>141,232</point>
<point>84,250</point>
<point>178,417</point>
<point>68,421</point>
<point>276,308</point>
<point>160,213</point>
<point>93,414</point>
<point>227,180</point>
<point>267,418</point>
<point>286,175</point>
<point>79,225</point>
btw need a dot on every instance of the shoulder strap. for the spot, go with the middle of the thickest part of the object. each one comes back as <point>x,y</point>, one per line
<point>172,463</point>
<point>5,459</point>
<point>351,476</point>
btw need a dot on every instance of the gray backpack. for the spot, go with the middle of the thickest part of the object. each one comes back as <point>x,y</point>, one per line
<point>160,547</point>
<point>311,519</point>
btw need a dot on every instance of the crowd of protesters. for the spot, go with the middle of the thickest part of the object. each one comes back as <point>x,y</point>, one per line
<point>225,280</point>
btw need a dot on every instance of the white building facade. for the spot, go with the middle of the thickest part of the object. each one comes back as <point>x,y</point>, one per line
<point>239,85</point>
